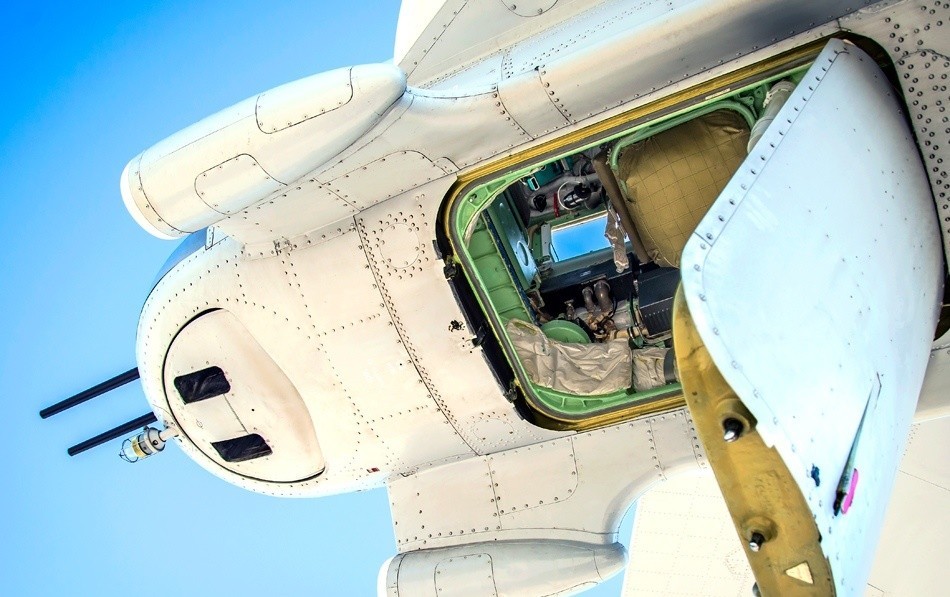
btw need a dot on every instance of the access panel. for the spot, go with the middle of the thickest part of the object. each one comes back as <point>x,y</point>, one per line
<point>813,288</point>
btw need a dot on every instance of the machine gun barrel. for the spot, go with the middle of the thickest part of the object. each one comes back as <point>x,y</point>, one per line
<point>94,391</point>
<point>113,433</point>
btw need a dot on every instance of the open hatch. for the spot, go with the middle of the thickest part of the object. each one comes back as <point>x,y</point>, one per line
<point>574,258</point>
<point>571,252</point>
<point>797,220</point>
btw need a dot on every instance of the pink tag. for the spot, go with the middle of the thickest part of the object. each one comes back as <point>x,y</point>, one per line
<point>850,495</point>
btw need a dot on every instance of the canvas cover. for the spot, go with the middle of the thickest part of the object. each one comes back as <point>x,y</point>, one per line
<point>585,369</point>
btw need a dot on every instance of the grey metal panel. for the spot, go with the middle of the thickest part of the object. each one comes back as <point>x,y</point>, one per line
<point>465,31</point>
<point>295,211</point>
<point>397,238</point>
<point>814,281</point>
<point>916,35</point>
<point>573,488</point>
<point>648,46</point>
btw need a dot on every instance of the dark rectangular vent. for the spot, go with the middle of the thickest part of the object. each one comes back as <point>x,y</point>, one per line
<point>201,385</point>
<point>658,317</point>
<point>239,449</point>
<point>656,291</point>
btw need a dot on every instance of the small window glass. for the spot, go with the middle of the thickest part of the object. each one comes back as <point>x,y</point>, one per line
<point>581,238</point>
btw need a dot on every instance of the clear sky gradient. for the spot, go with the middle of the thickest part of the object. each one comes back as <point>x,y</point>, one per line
<point>87,86</point>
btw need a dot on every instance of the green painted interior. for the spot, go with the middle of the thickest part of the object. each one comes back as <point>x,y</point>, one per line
<point>512,240</point>
<point>494,275</point>
<point>485,225</point>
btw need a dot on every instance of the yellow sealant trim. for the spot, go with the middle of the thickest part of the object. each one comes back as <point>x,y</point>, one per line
<point>779,534</point>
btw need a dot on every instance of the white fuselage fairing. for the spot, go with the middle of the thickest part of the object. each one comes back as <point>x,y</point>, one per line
<point>321,297</point>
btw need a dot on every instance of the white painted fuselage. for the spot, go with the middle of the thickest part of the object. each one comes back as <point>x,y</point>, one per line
<point>316,284</point>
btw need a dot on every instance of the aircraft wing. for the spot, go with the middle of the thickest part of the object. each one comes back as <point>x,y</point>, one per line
<point>684,543</point>
<point>537,520</point>
<point>911,556</point>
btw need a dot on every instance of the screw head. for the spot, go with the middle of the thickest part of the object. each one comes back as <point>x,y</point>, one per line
<point>732,429</point>
<point>756,541</point>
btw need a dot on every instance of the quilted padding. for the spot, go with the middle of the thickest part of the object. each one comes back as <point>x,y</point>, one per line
<point>672,178</point>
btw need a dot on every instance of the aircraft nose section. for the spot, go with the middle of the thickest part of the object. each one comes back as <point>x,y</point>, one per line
<point>235,406</point>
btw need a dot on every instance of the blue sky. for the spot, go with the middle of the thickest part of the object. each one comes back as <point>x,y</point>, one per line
<point>85,88</point>
<point>579,239</point>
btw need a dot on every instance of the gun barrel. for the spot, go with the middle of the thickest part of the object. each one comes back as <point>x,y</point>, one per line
<point>97,390</point>
<point>113,433</point>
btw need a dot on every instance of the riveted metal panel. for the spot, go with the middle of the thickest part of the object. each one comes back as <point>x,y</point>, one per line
<point>298,209</point>
<point>614,465</point>
<point>916,35</point>
<point>267,299</point>
<point>498,429</point>
<point>284,302</point>
<point>835,196</point>
<point>529,8</point>
<point>163,182</point>
<point>375,368</point>
<point>295,102</point>
<point>398,238</point>
<point>448,503</point>
<point>235,183</point>
<point>651,46</point>
<point>352,299</point>
<point>465,576</point>
<point>925,76</point>
<point>368,358</point>
<point>552,461</point>
<point>671,437</point>
<point>261,400</point>
<point>282,285</point>
<point>395,238</point>
<point>464,127</point>
<point>420,437</point>
<point>583,501</point>
<point>534,567</point>
<point>529,101</point>
<point>461,32</point>
<point>385,177</point>
<point>598,23</point>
